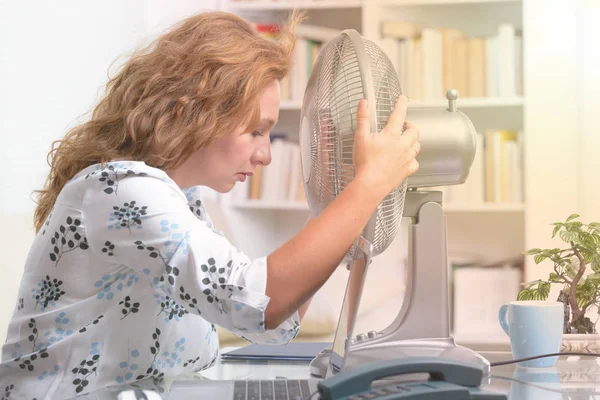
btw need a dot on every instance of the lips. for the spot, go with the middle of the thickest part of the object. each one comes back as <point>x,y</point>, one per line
<point>243,175</point>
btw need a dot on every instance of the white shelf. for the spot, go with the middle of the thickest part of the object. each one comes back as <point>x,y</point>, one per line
<point>484,208</point>
<point>434,2</point>
<point>288,5</point>
<point>270,205</point>
<point>451,208</point>
<point>473,102</point>
<point>290,105</point>
<point>482,338</point>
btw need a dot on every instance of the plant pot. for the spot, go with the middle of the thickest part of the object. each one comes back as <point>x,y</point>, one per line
<point>580,343</point>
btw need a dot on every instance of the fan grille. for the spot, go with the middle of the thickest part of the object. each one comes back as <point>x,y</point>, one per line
<point>330,107</point>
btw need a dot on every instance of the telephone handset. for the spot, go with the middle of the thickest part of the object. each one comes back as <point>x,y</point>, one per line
<point>449,380</point>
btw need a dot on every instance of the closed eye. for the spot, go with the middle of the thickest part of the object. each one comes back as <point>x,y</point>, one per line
<point>256,133</point>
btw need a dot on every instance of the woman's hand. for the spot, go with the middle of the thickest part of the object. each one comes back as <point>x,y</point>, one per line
<point>383,160</point>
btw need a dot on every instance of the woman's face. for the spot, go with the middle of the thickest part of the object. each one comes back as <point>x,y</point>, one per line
<point>234,157</point>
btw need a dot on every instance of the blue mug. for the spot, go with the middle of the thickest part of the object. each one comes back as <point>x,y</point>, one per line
<point>534,328</point>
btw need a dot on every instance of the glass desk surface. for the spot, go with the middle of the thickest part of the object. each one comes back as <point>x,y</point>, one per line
<point>572,378</point>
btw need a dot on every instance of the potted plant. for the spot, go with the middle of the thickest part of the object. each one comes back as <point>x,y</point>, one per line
<point>577,270</point>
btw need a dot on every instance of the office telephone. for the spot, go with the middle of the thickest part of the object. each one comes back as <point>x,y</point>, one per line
<point>448,380</point>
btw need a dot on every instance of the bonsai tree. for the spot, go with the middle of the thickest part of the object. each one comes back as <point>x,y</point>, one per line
<point>576,268</point>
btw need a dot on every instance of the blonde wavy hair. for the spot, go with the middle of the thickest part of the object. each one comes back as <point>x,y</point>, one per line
<point>198,82</point>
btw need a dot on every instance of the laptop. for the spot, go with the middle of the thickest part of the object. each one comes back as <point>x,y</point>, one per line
<point>264,389</point>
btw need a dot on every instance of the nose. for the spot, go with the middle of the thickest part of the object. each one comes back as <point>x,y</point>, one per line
<point>262,155</point>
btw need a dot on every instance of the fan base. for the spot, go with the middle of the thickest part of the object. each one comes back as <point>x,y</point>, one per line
<point>363,353</point>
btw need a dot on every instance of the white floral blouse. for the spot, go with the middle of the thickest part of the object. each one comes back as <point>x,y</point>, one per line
<point>126,281</point>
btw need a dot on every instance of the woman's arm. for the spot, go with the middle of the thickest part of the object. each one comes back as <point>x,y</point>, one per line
<point>304,308</point>
<point>301,266</point>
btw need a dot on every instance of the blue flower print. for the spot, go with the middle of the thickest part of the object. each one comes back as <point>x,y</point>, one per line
<point>62,318</point>
<point>128,367</point>
<point>116,282</point>
<point>191,193</point>
<point>171,358</point>
<point>57,334</point>
<point>95,348</point>
<point>51,373</point>
<point>210,333</point>
<point>16,352</point>
<point>176,240</point>
<point>154,281</point>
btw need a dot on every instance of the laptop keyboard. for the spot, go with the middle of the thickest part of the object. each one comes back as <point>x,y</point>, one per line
<point>278,389</point>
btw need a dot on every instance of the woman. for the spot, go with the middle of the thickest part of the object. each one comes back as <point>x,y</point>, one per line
<point>126,278</point>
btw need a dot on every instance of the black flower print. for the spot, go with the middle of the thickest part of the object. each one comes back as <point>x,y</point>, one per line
<point>20,304</point>
<point>111,176</point>
<point>189,300</point>
<point>48,292</point>
<point>216,280</point>
<point>172,309</point>
<point>197,209</point>
<point>83,372</point>
<point>129,307</point>
<point>191,361</point>
<point>108,248</point>
<point>34,334</point>
<point>67,239</point>
<point>94,322</point>
<point>128,215</point>
<point>7,391</point>
<point>170,272</point>
<point>28,362</point>
<point>153,371</point>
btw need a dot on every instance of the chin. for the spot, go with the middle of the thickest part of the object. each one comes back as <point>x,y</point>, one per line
<point>224,188</point>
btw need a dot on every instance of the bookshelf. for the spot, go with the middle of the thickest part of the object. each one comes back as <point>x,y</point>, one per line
<point>260,5</point>
<point>493,231</point>
<point>450,208</point>
<point>472,102</point>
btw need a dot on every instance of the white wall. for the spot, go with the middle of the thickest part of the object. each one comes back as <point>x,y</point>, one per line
<point>589,105</point>
<point>54,62</point>
<point>562,87</point>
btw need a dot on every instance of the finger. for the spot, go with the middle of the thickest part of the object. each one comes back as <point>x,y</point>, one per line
<point>417,146</point>
<point>363,125</point>
<point>413,167</point>
<point>395,122</point>
<point>410,136</point>
<point>409,125</point>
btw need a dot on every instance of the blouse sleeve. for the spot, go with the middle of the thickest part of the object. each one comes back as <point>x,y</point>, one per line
<point>146,223</point>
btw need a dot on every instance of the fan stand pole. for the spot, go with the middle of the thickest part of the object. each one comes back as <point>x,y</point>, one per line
<point>422,326</point>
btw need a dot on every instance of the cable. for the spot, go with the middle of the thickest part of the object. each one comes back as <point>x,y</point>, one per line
<point>496,364</point>
<point>311,395</point>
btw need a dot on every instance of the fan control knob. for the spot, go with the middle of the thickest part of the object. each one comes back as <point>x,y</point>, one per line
<point>361,336</point>
<point>452,95</point>
<point>372,334</point>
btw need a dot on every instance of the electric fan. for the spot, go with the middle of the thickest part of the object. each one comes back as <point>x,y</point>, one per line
<point>349,68</point>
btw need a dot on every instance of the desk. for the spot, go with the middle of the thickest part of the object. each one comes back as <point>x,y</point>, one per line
<point>571,378</point>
